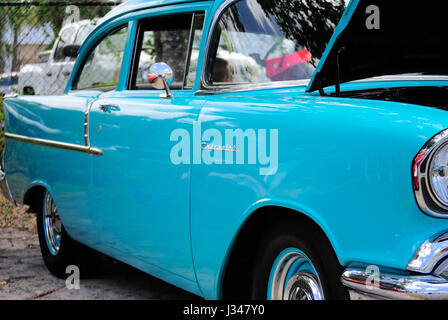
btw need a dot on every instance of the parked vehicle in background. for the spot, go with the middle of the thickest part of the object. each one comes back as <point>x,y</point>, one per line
<point>52,74</point>
<point>44,56</point>
<point>8,81</point>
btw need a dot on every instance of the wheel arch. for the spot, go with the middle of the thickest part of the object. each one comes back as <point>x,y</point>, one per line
<point>34,194</point>
<point>240,255</point>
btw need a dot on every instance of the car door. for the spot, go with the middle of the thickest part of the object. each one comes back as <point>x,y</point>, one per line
<point>141,198</point>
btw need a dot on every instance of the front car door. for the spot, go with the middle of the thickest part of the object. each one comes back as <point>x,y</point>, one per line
<point>141,198</point>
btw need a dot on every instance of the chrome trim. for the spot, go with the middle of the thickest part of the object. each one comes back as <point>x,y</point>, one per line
<point>408,77</point>
<point>161,77</point>
<point>425,197</point>
<point>55,144</point>
<point>430,253</point>
<point>206,89</point>
<point>86,122</point>
<point>303,285</point>
<point>391,284</point>
<point>52,225</point>
<point>190,48</point>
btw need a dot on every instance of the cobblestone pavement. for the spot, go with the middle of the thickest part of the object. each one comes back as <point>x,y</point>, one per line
<point>23,274</point>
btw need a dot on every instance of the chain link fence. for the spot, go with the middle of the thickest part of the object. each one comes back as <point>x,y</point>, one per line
<point>32,40</point>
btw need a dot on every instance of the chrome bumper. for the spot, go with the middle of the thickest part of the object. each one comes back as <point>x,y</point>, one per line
<point>393,285</point>
<point>426,276</point>
<point>5,188</point>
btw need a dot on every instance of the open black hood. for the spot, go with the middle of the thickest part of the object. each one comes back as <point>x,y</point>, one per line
<point>412,38</point>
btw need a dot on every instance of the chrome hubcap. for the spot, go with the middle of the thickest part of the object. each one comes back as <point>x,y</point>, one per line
<point>52,225</point>
<point>293,277</point>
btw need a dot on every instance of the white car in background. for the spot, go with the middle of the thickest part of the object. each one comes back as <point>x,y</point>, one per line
<point>51,77</point>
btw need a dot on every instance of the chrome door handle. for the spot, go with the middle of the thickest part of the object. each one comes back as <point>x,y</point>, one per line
<point>109,107</point>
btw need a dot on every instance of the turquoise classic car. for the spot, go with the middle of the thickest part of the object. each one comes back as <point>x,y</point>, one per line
<point>252,149</point>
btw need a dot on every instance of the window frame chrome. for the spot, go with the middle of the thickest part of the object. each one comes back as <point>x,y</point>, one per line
<point>131,79</point>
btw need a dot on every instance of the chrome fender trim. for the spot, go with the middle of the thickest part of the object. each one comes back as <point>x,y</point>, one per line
<point>55,144</point>
<point>430,253</point>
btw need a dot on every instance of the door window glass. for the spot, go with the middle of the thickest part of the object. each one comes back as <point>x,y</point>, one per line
<point>167,39</point>
<point>101,70</point>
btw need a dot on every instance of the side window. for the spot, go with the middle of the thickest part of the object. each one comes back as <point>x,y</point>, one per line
<point>168,40</point>
<point>259,41</point>
<point>101,70</point>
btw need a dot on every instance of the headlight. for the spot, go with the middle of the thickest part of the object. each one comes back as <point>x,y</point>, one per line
<point>430,176</point>
<point>438,175</point>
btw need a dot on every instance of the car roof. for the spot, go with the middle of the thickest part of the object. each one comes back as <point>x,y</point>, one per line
<point>133,5</point>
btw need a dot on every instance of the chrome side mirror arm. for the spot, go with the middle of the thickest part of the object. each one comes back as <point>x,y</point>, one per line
<point>161,77</point>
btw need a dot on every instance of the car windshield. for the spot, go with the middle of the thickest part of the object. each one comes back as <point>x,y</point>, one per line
<point>8,81</point>
<point>262,41</point>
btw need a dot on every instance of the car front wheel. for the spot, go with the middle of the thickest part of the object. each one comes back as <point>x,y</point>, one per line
<point>295,262</point>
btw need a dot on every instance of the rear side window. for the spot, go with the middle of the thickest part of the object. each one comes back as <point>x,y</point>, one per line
<point>173,40</point>
<point>101,70</point>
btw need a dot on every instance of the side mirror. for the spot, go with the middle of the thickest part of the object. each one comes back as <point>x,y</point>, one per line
<point>70,50</point>
<point>161,77</point>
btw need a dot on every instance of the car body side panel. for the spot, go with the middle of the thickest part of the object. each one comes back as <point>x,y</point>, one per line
<point>58,118</point>
<point>65,173</point>
<point>345,163</point>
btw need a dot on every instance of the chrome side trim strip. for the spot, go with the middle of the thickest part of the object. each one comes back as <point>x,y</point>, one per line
<point>393,285</point>
<point>429,255</point>
<point>55,144</point>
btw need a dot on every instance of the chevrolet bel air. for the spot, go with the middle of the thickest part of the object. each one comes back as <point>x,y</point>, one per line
<point>252,149</point>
